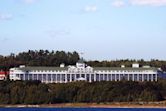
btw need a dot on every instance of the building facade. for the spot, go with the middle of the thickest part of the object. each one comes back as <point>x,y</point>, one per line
<point>82,72</point>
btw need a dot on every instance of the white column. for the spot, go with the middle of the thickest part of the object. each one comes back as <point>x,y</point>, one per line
<point>133,77</point>
<point>41,77</point>
<point>85,77</point>
<point>142,77</point>
<point>75,78</point>
<point>70,77</point>
<point>156,77</point>
<point>137,77</point>
<point>56,78</point>
<point>90,77</point>
<point>99,77</point>
<point>94,77</point>
<point>128,77</point>
<point>115,77</point>
<point>147,77</point>
<point>65,77</point>
<point>109,77</point>
<point>51,78</point>
<point>37,76</point>
<point>28,76</point>
<point>151,77</point>
<point>24,76</point>
<point>32,76</point>
<point>61,78</point>
<point>46,78</point>
<point>119,77</point>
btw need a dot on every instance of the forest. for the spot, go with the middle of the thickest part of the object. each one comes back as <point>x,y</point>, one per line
<point>38,58</point>
<point>35,92</point>
<point>55,58</point>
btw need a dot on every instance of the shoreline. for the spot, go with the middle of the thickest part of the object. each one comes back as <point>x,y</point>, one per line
<point>92,105</point>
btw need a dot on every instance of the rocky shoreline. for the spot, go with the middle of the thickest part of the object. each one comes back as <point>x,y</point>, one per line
<point>93,105</point>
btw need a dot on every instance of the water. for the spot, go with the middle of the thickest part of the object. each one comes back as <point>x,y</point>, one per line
<point>81,109</point>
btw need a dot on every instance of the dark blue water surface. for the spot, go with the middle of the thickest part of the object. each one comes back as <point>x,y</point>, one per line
<point>81,109</point>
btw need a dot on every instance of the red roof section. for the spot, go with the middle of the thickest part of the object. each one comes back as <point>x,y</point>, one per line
<point>4,72</point>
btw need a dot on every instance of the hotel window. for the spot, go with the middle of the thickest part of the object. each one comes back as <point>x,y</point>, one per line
<point>97,77</point>
<point>87,77</point>
<point>92,77</point>
<point>109,77</point>
<point>58,77</point>
<point>30,76</point>
<point>113,77</point>
<point>121,77</point>
<point>135,77</point>
<point>26,76</point>
<point>83,75</point>
<point>44,77</point>
<point>126,76</point>
<point>40,77</point>
<point>105,77</point>
<point>101,77</point>
<point>21,76</point>
<point>145,77</point>
<point>150,77</point>
<point>77,76</point>
<point>117,77</point>
<point>35,76</point>
<point>73,77</point>
<point>54,77</point>
<point>68,77</point>
<point>154,77</point>
<point>63,77</point>
<point>140,77</point>
<point>17,75</point>
<point>49,77</point>
<point>130,77</point>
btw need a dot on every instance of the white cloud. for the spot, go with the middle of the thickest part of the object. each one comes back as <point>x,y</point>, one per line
<point>148,2</point>
<point>29,1</point>
<point>5,39</point>
<point>25,1</point>
<point>6,16</point>
<point>57,33</point>
<point>118,3</point>
<point>92,8</point>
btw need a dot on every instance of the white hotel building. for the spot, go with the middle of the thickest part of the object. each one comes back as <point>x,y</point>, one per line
<point>81,72</point>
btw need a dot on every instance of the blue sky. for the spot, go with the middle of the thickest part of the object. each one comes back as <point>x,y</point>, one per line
<point>101,29</point>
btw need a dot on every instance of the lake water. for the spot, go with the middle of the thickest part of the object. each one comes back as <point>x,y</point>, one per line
<point>81,109</point>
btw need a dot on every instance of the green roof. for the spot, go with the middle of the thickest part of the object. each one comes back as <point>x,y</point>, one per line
<point>95,68</point>
<point>123,69</point>
<point>43,68</point>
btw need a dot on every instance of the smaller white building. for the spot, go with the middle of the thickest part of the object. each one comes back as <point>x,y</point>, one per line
<point>135,65</point>
<point>3,75</point>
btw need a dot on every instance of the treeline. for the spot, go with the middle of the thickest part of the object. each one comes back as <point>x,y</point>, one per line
<point>35,92</point>
<point>128,63</point>
<point>38,58</point>
<point>55,58</point>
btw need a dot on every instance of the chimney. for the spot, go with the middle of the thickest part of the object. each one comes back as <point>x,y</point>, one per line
<point>62,65</point>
